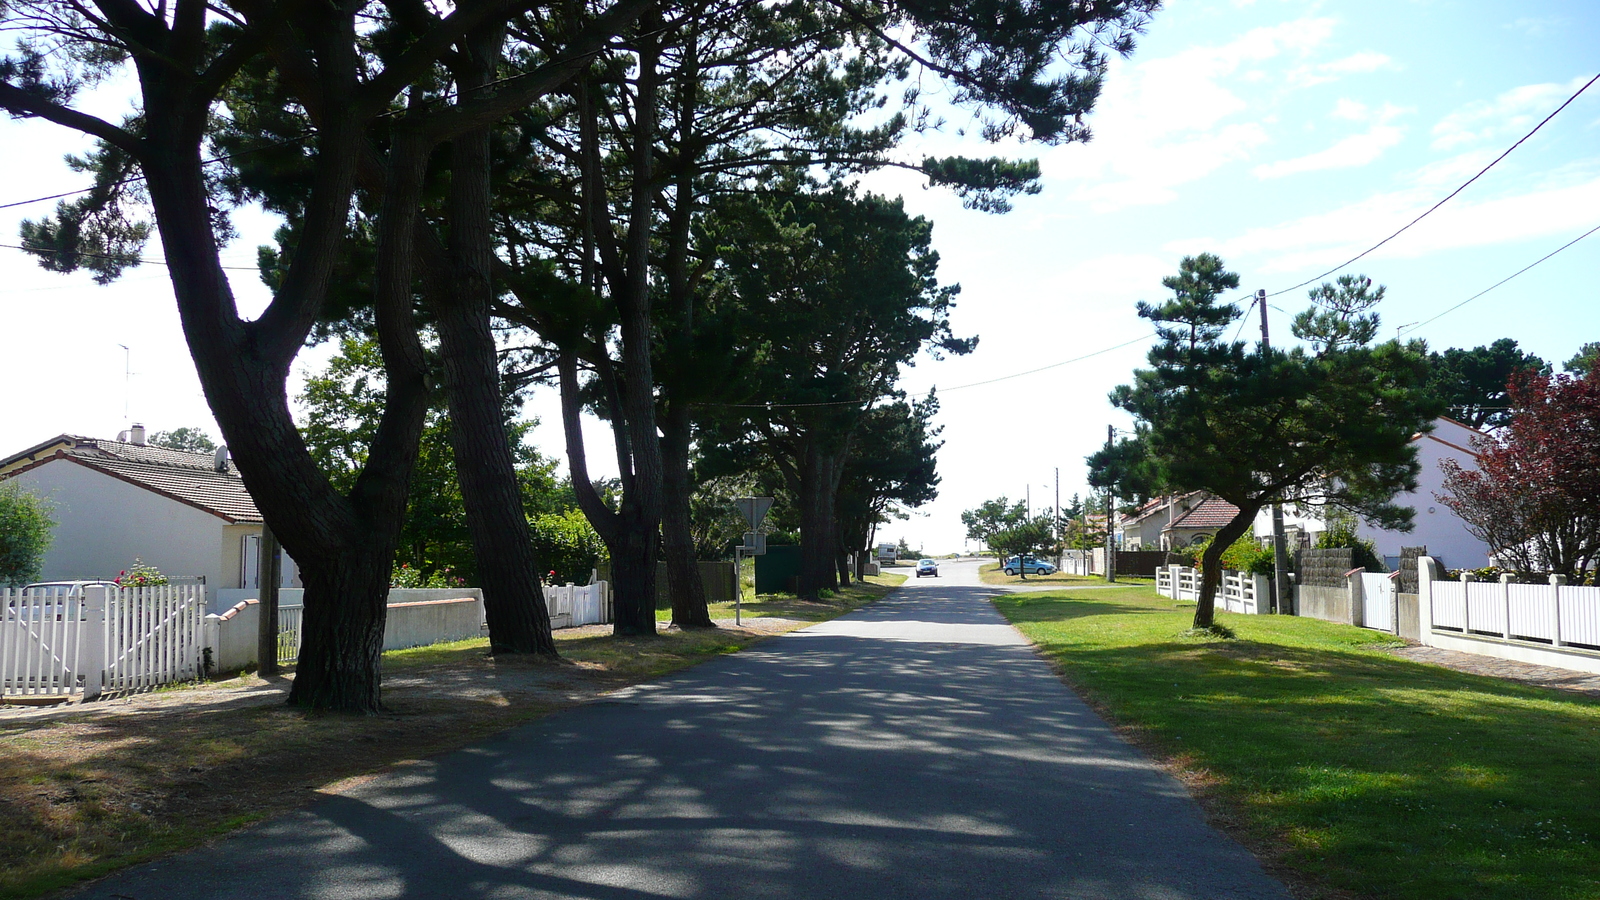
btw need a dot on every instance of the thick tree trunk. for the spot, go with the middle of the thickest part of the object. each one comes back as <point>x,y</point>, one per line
<point>677,536</point>
<point>502,545</point>
<point>818,542</point>
<point>633,571</point>
<point>1205,611</point>
<point>342,631</point>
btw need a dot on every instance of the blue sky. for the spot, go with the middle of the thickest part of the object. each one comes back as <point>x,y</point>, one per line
<point>1284,135</point>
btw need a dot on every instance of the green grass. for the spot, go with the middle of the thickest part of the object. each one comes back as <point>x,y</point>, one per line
<point>989,573</point>
<point>1349,767</point>
<point>788,606</point>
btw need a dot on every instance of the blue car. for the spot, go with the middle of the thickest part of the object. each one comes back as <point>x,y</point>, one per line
<point>927,567</point>
<point>1028,566</point>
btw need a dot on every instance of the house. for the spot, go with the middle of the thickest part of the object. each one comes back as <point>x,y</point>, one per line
<point>1175,521</point>
<point>114,501</point>
<point>1436,526</point>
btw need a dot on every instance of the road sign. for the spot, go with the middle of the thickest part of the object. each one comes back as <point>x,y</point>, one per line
<point>754,509</point>
<point>755,544</point>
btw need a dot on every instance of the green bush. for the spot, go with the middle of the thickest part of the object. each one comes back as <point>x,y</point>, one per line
<point>25,527</point>
<point>1245,555</point>
<point>1341,534</point>
<point>568,545</point>
<point>406,577</point>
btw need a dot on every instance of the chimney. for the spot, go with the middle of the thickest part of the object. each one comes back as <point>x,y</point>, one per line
<point>221,459</point>
<point>136,434</point>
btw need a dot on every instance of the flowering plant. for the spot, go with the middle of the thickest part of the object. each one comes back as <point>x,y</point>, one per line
<point>140,574</point>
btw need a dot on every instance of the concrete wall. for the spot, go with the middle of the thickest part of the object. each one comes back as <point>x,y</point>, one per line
<point>1407,617</point>
<point>1331,604</point>
<point>104,523</point>
<point>416,618</point>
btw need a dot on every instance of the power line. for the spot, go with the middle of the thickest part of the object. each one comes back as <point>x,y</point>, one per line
<point>1449,197</point>
<point>127,259</point>
<point>1410,328</point>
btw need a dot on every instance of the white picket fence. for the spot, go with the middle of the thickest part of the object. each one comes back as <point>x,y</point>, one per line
<point>571,605</point>
<point>1241,592</point>
<point>65,640</point>
<point>1555,614</point>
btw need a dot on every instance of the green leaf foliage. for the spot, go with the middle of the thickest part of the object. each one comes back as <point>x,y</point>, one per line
<point>568,544</point>
<point>25,534</point>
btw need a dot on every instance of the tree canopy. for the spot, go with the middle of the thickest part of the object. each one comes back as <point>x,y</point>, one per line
<point>1534,496</point>
<point>1324,424</point>
<point>25,534</point>
<point>1472,383</point>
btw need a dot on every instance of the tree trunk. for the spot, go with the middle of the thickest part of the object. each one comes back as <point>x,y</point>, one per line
<point>513,598</point>
<point>1205,611</point>
<point>817,539</point>
<point>677,537</point>
<point>341,643</point>
<point>633,571</point>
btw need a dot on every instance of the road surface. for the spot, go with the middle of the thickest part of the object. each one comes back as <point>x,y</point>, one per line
<point>915,749</point>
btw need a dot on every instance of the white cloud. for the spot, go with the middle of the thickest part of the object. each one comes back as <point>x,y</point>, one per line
<point>1164,122</point>
<point>1512,112</point>
<point>1326,238</point>
<point>1358,63</point>
<point>1355,150</point>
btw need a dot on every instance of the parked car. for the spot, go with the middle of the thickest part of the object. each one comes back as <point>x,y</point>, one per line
<point>45,601</point>
<point>927,567</point>
<point>1027,566</point>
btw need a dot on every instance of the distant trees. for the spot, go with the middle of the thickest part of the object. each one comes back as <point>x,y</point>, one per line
<point>1328,424</point>
<point>1023,539</point>
<point>1472,383</point>
<point>992,517</point>
<point>1534,497</point>
<point>1583,362</point>
<point>25,532</point>
<point>194,440</point>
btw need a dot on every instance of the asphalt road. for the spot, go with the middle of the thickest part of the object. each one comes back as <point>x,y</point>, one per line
<point>915,749</point>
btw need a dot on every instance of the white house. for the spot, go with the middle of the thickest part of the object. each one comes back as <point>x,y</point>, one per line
<point>187,514</point>
<point>1435,525</point>
<point>1175,521</point>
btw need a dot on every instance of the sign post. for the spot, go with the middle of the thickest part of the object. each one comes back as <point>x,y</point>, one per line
<point>754,509</point>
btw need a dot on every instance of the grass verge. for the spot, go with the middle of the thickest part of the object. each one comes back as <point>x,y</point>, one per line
<point>788,606</point>
<point>101,787</point>
<point>989,573</point>
<point>1348,770</point>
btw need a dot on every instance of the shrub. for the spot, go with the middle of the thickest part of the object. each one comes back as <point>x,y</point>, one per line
<point>1245,555</point>
<point>140,574</point>
<point>568,544</point>
<point>1341,535</point>
<point>406,577</point>
<point>25,526</point>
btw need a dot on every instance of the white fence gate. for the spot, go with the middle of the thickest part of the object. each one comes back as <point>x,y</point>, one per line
<point>573,605</point>
<point>1377,601</point>
<point>1240,592</point>
<point>65,640</point>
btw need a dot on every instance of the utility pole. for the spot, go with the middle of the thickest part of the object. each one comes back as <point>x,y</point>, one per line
<point>1280,555</point>
<point>268,575</point>
<point>1111,547</point>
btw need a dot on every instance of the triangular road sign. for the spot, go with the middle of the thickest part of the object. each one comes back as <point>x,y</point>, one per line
<point>754,509</point>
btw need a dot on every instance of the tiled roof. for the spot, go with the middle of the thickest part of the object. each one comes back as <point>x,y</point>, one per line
<point>189,478</point>
<point>1211,513</point>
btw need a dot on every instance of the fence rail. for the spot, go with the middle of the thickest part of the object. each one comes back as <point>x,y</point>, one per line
<point>1555,614</point>
<point>1240,592</point>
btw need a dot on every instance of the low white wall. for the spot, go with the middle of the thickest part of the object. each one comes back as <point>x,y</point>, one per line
<point>416,617</point>
<point>1429,573</point>
<point>232,637</point>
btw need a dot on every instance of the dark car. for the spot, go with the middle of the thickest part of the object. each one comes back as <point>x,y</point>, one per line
<point>927,567</point>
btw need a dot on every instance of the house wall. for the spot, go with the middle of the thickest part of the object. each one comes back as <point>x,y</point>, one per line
<point>103,523</point>
<point>1435,525</point>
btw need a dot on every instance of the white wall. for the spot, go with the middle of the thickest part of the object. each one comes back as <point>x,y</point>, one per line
<point>1435,526</point>
<point>103,523</point>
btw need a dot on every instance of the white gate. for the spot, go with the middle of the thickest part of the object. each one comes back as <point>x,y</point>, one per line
<point>40,634</point>
<point>154,635</point>
<point>1377,601</point>
<point>70,639</point>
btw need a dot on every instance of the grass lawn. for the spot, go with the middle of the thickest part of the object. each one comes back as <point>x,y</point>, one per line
<point>989,573</point>
<point>1349,771</point>
<point>95,790</point>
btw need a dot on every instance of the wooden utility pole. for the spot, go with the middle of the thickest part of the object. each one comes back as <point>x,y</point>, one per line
<point>268,574</point>
<point>1280,555</point>
<point>1111,547</point>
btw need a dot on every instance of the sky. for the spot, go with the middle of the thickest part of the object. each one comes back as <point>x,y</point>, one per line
<point>1286,136</point>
